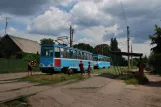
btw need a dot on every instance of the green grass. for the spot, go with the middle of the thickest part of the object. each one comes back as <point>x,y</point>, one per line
<point>132,79</point>
<point>45,79</point>
<point>134,67</point>
<point>20,102</point>
<point>108,70</point>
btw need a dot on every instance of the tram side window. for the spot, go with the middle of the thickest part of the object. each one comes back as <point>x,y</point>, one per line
<point>90,57</point>
<point>82,56</point>
<point>64,52</point>
<point>68,53</point>
<point>71,53</point>
<point>74,54</point>
<point>57,52</point>
<point>85,56</point>
<point>79,55</point>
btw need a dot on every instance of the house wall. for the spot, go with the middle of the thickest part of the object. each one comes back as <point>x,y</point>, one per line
<point>10,45</point>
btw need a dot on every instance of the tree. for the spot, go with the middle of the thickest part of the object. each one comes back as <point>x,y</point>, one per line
<point>84,46</point>
<point>155,57</point>
<point>145,59</point>
<point>117,60</point>
<point>102,48</point>
<point>47,41</point>
<point>114,45</point>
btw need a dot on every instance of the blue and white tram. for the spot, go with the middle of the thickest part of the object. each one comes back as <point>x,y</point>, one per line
<point>101,61</point>
<point>60,58</point>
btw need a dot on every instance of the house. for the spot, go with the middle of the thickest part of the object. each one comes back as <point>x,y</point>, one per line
<point>16,44</point>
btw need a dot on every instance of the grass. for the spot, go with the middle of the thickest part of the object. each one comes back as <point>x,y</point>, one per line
<point>129,79</point>
<point>45,79</point>
<point>20,102</point>
<point>132,79</point>
<point>108,70</point>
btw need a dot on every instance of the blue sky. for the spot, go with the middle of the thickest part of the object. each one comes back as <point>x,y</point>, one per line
<point>95,21</point>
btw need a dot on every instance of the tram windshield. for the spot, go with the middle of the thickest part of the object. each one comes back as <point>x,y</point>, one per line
<point>47,51</point>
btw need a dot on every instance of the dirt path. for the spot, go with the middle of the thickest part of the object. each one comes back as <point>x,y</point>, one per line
<point>14,75</point>
<point>101,91</point>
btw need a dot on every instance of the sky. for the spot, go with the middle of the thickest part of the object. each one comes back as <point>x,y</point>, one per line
<point>94,21</point>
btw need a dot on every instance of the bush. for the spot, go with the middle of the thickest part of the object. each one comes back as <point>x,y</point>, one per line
<point>132,79</point>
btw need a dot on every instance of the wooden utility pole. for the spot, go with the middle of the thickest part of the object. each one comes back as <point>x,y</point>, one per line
<point>71,36</point>
<point>128,39</point>
<point>131,56</point>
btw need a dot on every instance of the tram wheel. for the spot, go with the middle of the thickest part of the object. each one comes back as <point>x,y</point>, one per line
<point>70,71</point>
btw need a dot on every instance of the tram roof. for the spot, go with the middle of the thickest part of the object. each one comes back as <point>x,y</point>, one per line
<point>99,55</point>
<point>63,46</point>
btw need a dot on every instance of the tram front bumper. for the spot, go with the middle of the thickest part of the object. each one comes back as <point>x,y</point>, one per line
<point>47,69</point>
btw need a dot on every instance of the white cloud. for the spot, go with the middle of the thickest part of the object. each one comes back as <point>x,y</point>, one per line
<point>35,37</point>
<point>95,22</point>
<point>53,22</point>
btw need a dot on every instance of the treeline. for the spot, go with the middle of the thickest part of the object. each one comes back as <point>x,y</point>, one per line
<point>155,56</point>
<point>104,49</point>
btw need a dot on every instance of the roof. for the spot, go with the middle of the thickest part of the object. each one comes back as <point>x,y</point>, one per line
<point>126,54</point>
<point>26,45</point>
<point>100,55</point>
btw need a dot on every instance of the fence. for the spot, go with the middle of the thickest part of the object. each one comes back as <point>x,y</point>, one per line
<point>13,65</point>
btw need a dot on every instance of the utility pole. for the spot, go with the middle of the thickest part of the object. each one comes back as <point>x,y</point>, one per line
<point>71,36</point>
<point>6,19</point>
<point>128,39</point>
<point>131,56</point>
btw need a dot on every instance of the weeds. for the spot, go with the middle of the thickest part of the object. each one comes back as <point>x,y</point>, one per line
<point>44,79</point>
<point>20,102</point>
<point>132,79</point>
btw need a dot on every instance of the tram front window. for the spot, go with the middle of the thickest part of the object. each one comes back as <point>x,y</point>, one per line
<point>47,51</point>
<point>95,58</point>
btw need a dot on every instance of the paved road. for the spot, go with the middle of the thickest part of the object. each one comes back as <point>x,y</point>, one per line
<point>101,91</point>
<point>11,89</point>
<point>98,91</point>
<point>14,75</point>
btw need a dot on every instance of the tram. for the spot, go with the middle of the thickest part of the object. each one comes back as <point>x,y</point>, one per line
<point>61,58</point>
<point>101,61</point>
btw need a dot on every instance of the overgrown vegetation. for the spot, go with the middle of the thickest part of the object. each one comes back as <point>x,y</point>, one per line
<point>45,79</point>
<point>132,79</point>
<point>155,57</point>
<point>20,102</point>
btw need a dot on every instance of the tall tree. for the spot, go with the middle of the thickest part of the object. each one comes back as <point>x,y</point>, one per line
<point>114,44</point>
<point>117,60</point>
<point>47,41</point>
<point>155,57</point>
<point>102,49</point>
<point>84,46</point>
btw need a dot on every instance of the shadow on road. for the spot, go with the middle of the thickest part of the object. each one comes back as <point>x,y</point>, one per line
<point>108,75</point>
<point>154,84</point>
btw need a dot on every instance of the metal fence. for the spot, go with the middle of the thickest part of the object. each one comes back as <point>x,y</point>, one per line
<point>13,65</point>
